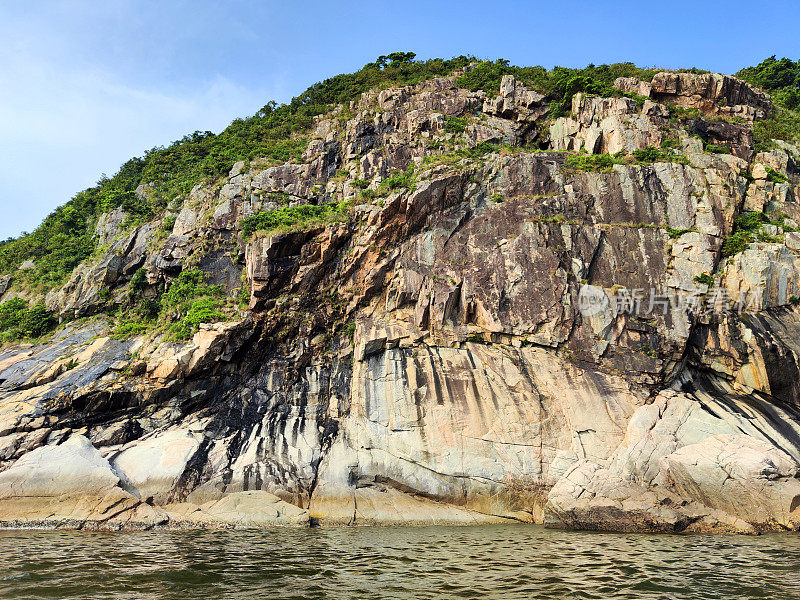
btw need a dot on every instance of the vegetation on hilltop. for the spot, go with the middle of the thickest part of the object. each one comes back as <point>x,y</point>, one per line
<point>559,84</point>
<point>781,78</point>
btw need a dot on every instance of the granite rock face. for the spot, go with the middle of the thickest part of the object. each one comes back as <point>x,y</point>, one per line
<point>510,337</point>
<point>709,92</point>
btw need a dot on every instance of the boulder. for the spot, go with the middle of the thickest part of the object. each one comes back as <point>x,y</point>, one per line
<point>66,485</point>
<point>72,468</point>
<point>594,498</point>
<point>239,510</point>
<point>150,467</point>
<point>746,477</point>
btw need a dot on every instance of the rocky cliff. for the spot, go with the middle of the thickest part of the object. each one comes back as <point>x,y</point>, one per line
<point>511,314</point>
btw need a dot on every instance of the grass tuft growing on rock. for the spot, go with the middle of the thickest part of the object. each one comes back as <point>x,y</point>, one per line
<point>775,177</point>
<point>294,217</point>
<point>674,233</point>
<point>747,228</point>
<point>604,163</point>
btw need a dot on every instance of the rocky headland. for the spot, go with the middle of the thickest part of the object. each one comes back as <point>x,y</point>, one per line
<point>416,345</point>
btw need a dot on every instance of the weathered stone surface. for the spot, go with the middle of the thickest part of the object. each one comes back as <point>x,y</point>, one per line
<point>371,506</point>
<point>608,125</point>
<point>150,467</point>
<point>428,359</point>
<point>745,477</point>
<point>515,103</point>
<point>61,486</point>
<point>109,226</point>
<point>765,272</point>
<point>5,282</point>
<point>71,468</point>
<point>712,93</point>
<point>82,295</point>
<point>241,510</point>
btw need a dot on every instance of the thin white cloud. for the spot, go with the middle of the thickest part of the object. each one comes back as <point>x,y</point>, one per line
<point>60,129</point>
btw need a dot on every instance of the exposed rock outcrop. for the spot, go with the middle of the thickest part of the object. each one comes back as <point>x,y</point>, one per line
<point>506,337</point>
<point>707,92</point>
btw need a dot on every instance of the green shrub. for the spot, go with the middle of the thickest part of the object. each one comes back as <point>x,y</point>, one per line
<point>293,217</point>
<point>704,279</point>
<point>18,321</point>
<point>11,313</point>
<point>652,154</point>
<point>243,294</point>
<point>189,301</point>
<point>736,242</point>
<point>36,321</point>
<point>679,113</point>
<point>771,239</point>
<point>137,284</point>
<point>783,124</point>
<point>455,124</point>
<point>360,183</point>
<point>148,308</point>
<point>478,150</point>
<point>776,177</point>
<point>780,76</point>
<point>676,233</point>
<point>127,329</point>
<point>794,300</point>
<point>486,76</point>
<point>143,317</point>
<point>399,179</point>
<point>750,221</point>
<point>203,310</point>
<point>350,331</point>
<point>747,227</point>
<point>670,144</point>
<point>593,162</point>
<point>717,149</point>
<point>169,222</point>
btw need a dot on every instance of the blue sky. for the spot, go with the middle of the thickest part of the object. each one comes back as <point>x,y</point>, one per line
<point>85,85</point>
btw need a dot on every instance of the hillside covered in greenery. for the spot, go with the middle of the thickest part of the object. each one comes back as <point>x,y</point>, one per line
<point>781,78</point>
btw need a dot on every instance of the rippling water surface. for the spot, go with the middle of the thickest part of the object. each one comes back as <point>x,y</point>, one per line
<point>514,561</point>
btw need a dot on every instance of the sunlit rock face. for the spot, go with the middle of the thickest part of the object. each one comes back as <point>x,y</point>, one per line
<point>511,336</point>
